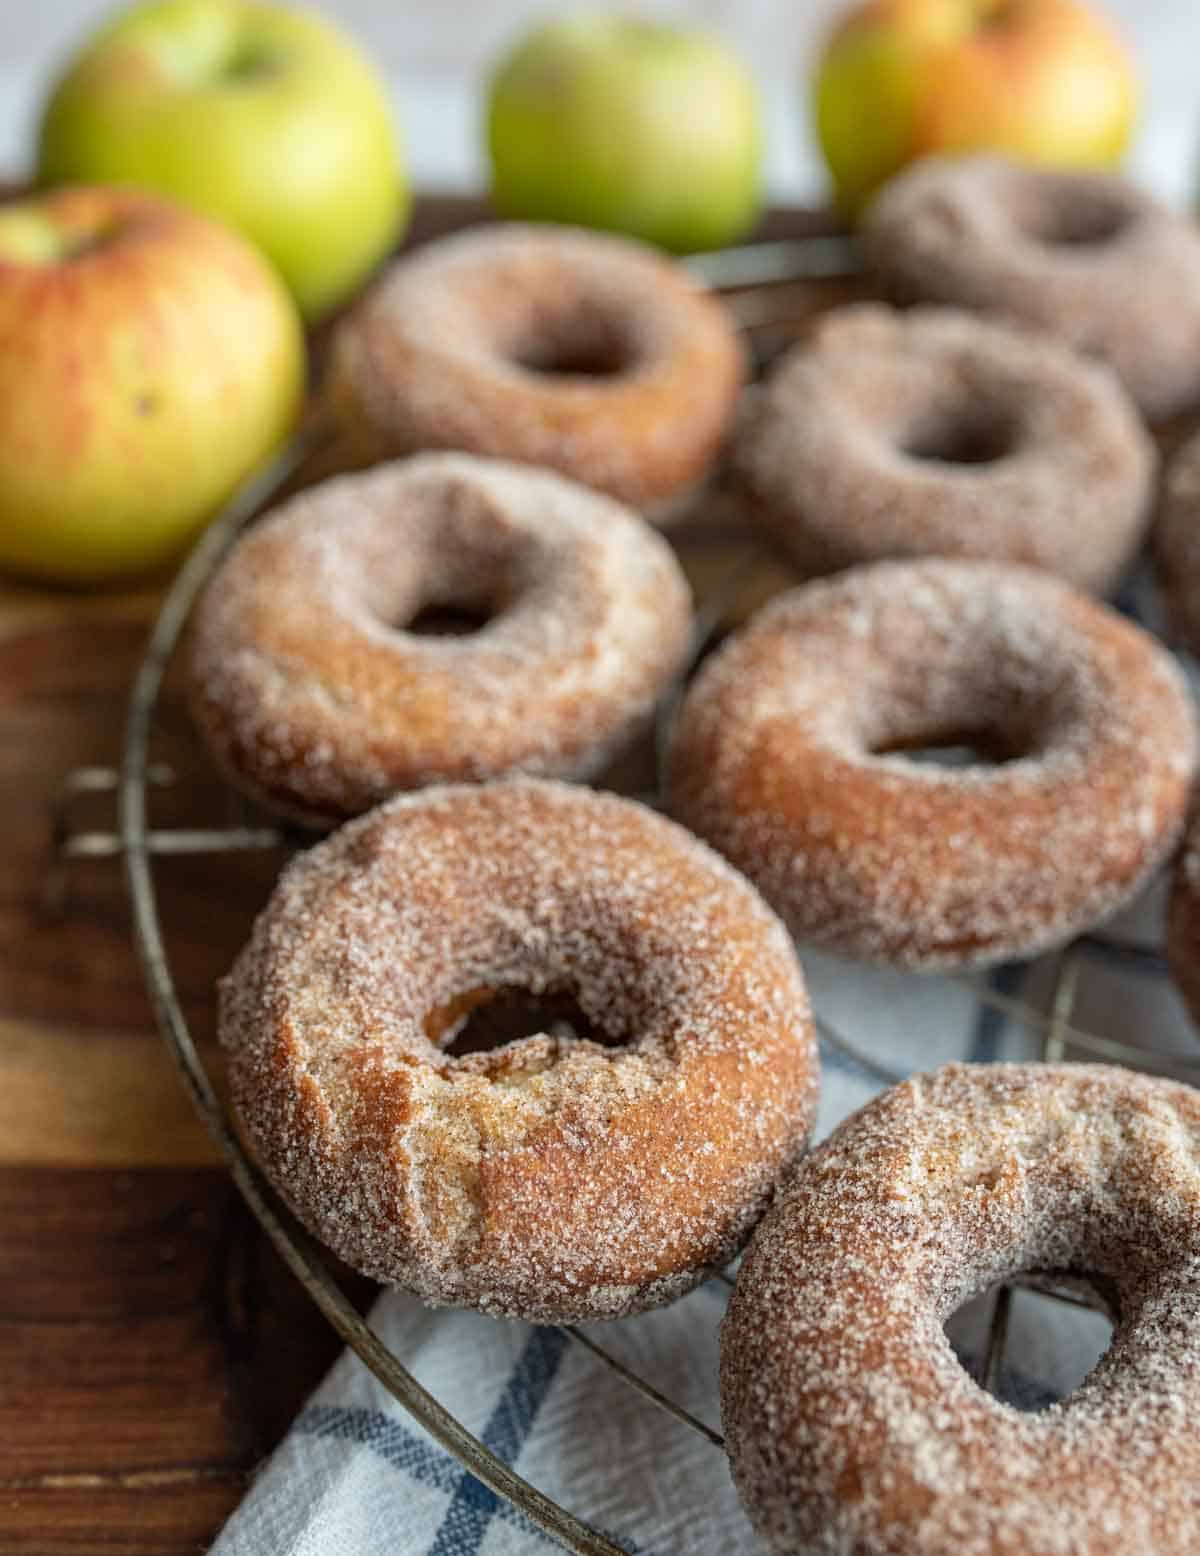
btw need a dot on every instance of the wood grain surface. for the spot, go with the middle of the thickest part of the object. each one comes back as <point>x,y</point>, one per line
<point>152,1348</point>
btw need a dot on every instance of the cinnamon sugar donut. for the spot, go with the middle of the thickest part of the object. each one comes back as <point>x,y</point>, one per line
<point>562,1176</point>
<point>587,353</point>
<point>316,698</point>
<point>1085,256</point>
<point>933,432</point>
<point>851,1426</point>
<point>788,756</point>
<point>1177,543</point>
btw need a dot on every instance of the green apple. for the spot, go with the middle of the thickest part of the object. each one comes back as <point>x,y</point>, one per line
<point>149,360</point>
<point>1046,81</point>
<point>266,117</point>
<point>627,125</point>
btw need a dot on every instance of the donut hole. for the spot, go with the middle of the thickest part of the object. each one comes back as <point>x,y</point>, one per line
<point>486,1020</point>
<point>1052,1343</point>
<point>1073,219</point>
<point>976,714</point>
<point>954,748</point>
<point>455,608</point>
<point>572,359</point>
<point>449,621</point>
<point>571,342</point>
<point>967,436</point>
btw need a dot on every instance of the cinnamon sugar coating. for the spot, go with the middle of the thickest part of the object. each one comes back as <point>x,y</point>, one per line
<point>558,1177</point>
<point>788,756</point>
<point>935,433</point>
<point>315,699</point>
<point>1177,543</point>
<point>1085,256</point>
<point>852,1428</point>
<point>590,354</point>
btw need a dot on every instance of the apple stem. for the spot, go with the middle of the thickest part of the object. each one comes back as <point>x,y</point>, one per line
<point>250,65</point>
<point>1000,15</point>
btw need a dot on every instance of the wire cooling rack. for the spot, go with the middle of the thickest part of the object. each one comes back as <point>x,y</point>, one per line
<point>145,848</point>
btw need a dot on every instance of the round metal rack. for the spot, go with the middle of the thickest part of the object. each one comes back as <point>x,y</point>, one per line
<point>141,846</point>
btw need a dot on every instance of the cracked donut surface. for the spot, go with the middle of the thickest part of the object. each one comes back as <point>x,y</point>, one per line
<point>557,1176</point>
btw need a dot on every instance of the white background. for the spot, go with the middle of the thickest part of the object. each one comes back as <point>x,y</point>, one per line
<point>436,56</point>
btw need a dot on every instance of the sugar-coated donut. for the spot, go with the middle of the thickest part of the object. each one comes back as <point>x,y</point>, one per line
<point>1177,543</point>
<point>1085,256</point>
<point>316,699</point>
<point>561,1176</point>
<point>936,433</point>
<point>587,353</point>
<point>788,756</point>
<point>853,1429</point>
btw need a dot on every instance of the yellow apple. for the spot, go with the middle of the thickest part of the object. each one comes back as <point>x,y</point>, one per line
<point>1046,81</point>
<point>265,116</point>
<point>149,360</point>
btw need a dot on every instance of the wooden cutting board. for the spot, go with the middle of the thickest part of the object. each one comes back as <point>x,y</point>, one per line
<point>151,1346</point>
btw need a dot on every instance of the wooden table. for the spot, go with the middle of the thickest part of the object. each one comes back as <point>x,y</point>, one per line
<point>152,1348</point>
